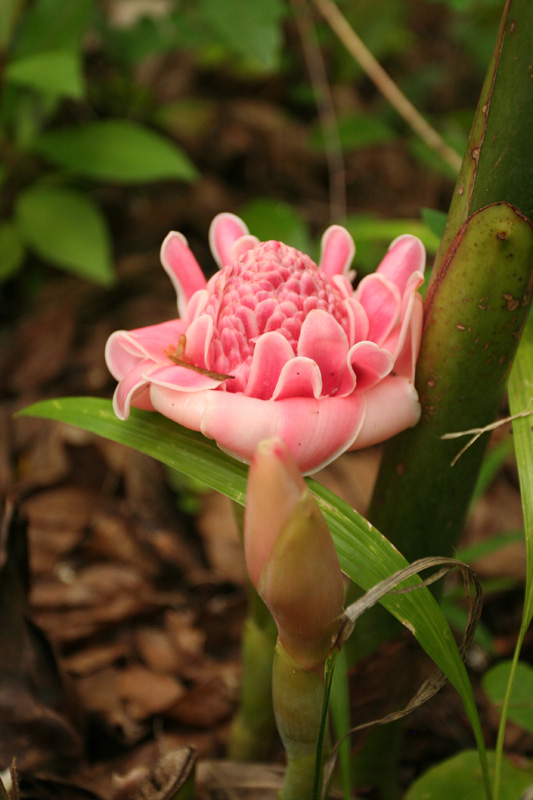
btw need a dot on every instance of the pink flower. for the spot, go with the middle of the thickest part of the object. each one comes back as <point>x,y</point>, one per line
<point>273,345</point>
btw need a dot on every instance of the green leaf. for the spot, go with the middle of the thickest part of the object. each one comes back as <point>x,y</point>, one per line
<point>495,683</point>
<point>365,228</point>
<point>271,219</point>
<point>11,250</point>
<point>56,72</point>
<point>116,150</point>
<point>66,228</point>
<point>520,400</point>
<point>355,132</point>
<point>435,220</point>
<point>52,25</point>
<point>461,777</point>
<point>364,554</point>
<point>252,30</point>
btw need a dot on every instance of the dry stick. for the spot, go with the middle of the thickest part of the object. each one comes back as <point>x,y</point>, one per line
<point>340,25</point>
<point>326,109</point>
<point>475,433</point>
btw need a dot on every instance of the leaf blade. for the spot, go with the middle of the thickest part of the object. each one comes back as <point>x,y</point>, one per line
<point>56,72</point>
<point>116,150</point>
<point>66,228</point>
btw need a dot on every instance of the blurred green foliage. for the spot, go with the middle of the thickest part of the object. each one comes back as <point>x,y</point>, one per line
<point>67,128</point>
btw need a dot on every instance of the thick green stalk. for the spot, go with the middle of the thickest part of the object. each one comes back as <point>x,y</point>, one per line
<point>253,728</point>
<point>475,309</point>
<point>474,314</point>
<point>298,697</point>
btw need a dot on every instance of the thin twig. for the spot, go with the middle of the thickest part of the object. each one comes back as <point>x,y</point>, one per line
<point>475,433</point>
<point>325,106</point>
<point>340,25</point>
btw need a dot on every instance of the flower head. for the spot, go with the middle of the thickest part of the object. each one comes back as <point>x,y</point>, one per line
<point>274,345</point>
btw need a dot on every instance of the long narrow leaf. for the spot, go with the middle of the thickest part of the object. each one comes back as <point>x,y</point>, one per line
<point>364,554</point>
<point>520,401</point>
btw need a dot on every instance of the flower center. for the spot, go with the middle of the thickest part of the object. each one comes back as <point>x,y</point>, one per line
<point>272,287</point>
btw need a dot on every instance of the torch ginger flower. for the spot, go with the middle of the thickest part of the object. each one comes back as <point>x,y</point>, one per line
<point>274,345</point>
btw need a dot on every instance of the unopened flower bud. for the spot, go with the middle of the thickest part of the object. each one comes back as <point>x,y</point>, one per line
<point>290,556</point>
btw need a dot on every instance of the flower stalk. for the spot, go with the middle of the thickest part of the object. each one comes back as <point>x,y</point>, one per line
<point>253,727</point>
<point>292,562</point>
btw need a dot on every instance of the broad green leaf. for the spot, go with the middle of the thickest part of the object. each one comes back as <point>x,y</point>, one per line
<point>251,29</point>
<point>487,547</point>
<point>364,554</point>
<point>460,777</point>
<point>116,150</point>
<point>372,237</point>
<point>355,132</point>
<point>56,72</point>
<point>271,219</point>
<point>52,25</point>
<point>369,229</point>
<point>66,228</point>
<point>435,220</point>
<point>11,250</point>
<point>521,697</point>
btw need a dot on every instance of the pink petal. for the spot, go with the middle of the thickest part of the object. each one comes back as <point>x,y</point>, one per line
<point>391,406</point>
<point>125,348</point>
<point>241,246</point>
<point>406,255</point>
<point>182,268</point>
<point>224,231</point>
<point>404,341</point>
<point>381,300</point>
<point>199,335</point>
<point>337,251</point>
<point>182,379</point>
<point>315,431</point>
<point>300,377</point>
<point>323,340</point>
<point>370,363</point>
<point>271,353</point>
<point>185,408</point>
<point>359,322</point>
<point>132,390</point>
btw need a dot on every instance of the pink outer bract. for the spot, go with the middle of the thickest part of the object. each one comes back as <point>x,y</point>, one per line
<point>274,345</point>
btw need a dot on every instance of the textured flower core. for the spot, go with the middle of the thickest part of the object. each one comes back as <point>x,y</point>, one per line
<point>275,346</point>
<point>272,287</point>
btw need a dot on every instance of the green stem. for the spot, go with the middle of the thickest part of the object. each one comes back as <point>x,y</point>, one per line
<point>298,702</point>
<point>253,727</point>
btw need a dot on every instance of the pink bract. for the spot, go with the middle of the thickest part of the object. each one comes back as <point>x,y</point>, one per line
<point>274,345</point>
